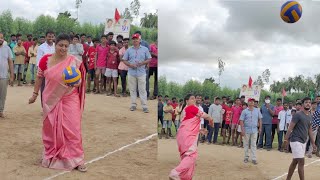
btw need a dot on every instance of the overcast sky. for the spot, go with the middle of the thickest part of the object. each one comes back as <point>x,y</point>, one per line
<point>249,36</point>
<point>94,11</point>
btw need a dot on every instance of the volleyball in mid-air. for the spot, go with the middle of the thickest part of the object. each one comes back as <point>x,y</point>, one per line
<point>291,11</point>
<point>71,75</point>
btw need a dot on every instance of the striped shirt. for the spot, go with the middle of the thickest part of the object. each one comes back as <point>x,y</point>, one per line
<point>315,120</point>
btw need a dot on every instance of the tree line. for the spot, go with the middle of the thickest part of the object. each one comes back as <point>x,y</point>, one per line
<point>64,23</point>
<point>212,89</point>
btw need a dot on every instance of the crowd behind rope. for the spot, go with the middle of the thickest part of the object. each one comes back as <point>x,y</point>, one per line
<point>105,60</point>
<point>226,115</point>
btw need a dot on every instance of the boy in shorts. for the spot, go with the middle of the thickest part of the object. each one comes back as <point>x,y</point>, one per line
<point>113,61</point>
<point>298,131</point>
<point>101,63</point>
<point>91,54</point>
<point>226,127</point>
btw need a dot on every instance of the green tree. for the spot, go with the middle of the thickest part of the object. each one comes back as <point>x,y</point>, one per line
<point>149,20</point>
<point>6,24</point>
<point>23,26</point>
<point>42,24</point>
<point>126,14</point>
<point>135,7</point>
<point>162,85</point>
<point>65,23</point>
<point>192,87</point>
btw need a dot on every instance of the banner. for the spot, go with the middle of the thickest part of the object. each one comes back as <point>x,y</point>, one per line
<point>253,92</point>
<point>122,27</point>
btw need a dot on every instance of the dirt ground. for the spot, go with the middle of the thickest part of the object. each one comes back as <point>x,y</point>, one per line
<point>226,162</point>
<point>107,125</point>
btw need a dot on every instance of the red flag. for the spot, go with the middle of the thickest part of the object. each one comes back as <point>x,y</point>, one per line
<point>117,15</point>
<point>284,93</point>
<point>250,82</point>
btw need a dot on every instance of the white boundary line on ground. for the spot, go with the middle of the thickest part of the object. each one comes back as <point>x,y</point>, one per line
<point>107,154</point>
<point>318,160</point>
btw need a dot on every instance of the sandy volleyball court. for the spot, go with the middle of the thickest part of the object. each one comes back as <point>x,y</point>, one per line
<point>225,162</point>
<point>107,125</point>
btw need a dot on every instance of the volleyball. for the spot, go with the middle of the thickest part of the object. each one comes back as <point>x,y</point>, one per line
<point>71,75</point>
<point>291,11</point>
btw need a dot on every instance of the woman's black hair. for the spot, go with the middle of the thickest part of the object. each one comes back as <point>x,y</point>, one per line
<point>62,37</point>
<point>185,101</point>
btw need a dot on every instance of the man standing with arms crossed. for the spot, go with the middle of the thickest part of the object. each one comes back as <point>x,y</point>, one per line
<point>298,131</point>
<point>267,111</point>
<point>5,61</point>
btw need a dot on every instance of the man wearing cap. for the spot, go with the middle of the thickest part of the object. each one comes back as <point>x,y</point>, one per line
<point>145,44</point>
<point>250,119</point>
<point>136,58</point>
<point>267,111</point>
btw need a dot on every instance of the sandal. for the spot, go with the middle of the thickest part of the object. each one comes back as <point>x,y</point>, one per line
<point>109,94</point>
<point>116,95</point>
<point>82,168</point>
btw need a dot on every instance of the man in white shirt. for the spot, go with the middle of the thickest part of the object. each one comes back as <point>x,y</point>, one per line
<point>284,117</point>
<point>45,48</point>
<point>215,111</point>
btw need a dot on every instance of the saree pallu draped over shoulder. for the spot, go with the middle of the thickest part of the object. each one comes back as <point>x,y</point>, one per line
<point>187,138</point>
<point>62,113</point>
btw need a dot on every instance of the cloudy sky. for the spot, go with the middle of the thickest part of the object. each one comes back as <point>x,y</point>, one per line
<point>94,11</point>
<point>249,36</point>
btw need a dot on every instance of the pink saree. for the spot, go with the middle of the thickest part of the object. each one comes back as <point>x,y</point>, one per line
<point>62,113</point>
<point>187,138</point>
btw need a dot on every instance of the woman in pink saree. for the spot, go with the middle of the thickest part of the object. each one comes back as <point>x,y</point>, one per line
<point>62,109</point>
<point>187,139</point>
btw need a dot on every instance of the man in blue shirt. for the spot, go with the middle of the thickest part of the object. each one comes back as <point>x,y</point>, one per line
<point>145,44</point>
<point>136,58</point>
<point>250,119</point>
<point>12,44</point>
<point>267,111</point>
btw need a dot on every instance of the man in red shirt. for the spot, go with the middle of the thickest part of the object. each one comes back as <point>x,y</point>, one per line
<point>113,60</point>
<point>153,68</point>
<point>228,114</point>
<point>90,64</point>
<point>275,120</point>
<point>224,106</point>
<point>85,48</point>
<point>26,46</point>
